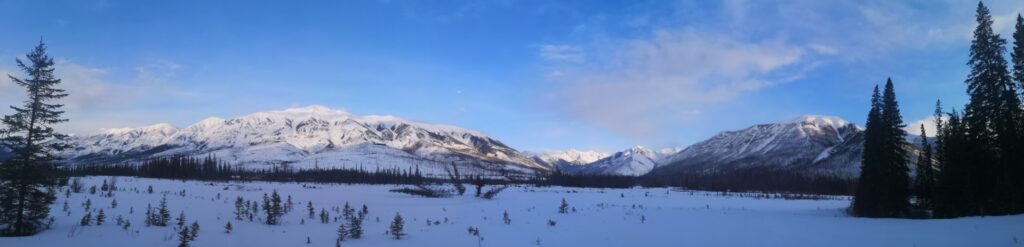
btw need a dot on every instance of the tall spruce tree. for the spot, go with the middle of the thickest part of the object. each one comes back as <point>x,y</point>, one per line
<point>895,171</point>
<point>1016,170</point>
<point>27,180</point>
<point>992,119</point>
<point>884,187</point>
<point>925,173</point>
<point>954,191</point>
<point>866,200</point>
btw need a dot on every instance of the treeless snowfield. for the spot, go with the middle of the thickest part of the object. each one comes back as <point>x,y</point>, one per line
<point>602,217</point>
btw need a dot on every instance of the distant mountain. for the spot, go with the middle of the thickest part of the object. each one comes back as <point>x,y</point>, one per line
<point>569,158</point>
<point>635,161</point>
<point>815,145</point>
<point>307,137</point>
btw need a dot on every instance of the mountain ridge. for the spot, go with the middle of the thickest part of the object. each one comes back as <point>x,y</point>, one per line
<point>307,137</point>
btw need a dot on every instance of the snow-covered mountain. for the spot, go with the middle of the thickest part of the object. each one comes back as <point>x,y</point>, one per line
<point>307,137</point>
<point>808,144</point>
<point>635,161</point>
<point>571,157</point>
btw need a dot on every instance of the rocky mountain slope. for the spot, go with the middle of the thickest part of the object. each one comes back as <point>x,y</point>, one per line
<point>818,145</point>
<point>307,137</point>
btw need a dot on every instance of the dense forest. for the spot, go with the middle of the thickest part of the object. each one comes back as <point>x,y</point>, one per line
<point>975,166</point>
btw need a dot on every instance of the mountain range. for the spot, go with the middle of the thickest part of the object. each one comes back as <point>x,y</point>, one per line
<point>317,136</point>
<point>309,137</point>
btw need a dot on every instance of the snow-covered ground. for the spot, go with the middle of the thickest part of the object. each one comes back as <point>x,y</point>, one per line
<point>602,217</point>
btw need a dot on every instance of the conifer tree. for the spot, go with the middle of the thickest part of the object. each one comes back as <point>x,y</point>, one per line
<point>355,227</point>
<point>897,173</point>
<point>564,207</point>
<point>925,174</point>
<point>1016,169</point>
<point>953,195</point>
<point>992,118</point>
<point>194,232</point>
<point>181,219</point>
<point>342,232</point>
<point>27,179</point>
<point>397,226</point>
<point>228,228</point>
<point>100,217</point>
<point>312,211</point>
<point>163,215</point>
<point>149,215</point>
<point>239,208</point>
<point>87,219</point>
<point>184,237</point>
<point>883,188</point>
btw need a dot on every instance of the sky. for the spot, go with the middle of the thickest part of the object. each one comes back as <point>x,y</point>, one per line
<point>537,75</point>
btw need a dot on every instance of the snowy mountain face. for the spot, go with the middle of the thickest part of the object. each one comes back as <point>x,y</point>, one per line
<point>307,137</point>
<point>809,144</point>
<point>633,162</point>
<point>572,157</point>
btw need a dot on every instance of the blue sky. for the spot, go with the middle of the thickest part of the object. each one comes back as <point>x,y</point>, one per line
<point>538,75</point>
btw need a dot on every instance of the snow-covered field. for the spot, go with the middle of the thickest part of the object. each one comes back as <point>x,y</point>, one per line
<point>602,217</point>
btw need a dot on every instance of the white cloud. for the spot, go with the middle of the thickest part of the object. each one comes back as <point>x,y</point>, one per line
<point>95,100</point>
<point>914,128</point>
<point>824,49</point>
<point>561,53</point>
<point>637,86</point>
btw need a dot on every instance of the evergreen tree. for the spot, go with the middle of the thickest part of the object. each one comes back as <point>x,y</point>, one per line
<point>1017,54</point>
<point>992,120</point>
<point>100,217</point>
<point>355,227</point>
<point>1016,162</point>
<point>184,237</point>
<point>312,211</point>
<point>347,211</point>
<point>239,208</point>
<point>925,175</point>
<point>940,127</point>
<point>506,218</point>
<point>867,197</point>
<point>396,227</point>
<point>163,215</point>
<point>564,207</point>
<point>228,228</point>
<point>149,215</point>
<point>27,179</point>
<point>883,188</point>
<point>194,231</point>
<point>896,172</point>
<point>342,232</point>
<point>953,188</point>
<point>181,219</point>
<point>87,219</point>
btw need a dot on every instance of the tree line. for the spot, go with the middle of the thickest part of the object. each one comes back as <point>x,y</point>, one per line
<point>210,168</point>
<point>975,165</point>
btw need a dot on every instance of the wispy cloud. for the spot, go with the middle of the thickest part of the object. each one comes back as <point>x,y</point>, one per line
<point>96,100</point>
<point>635,87</point>
<point>561,53</point>
<point>914,128</point>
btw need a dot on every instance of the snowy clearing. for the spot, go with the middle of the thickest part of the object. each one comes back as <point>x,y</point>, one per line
<point>602,217</point>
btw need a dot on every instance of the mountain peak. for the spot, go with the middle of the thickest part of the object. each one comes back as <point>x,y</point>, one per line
<point>313,109</point>
<point>820,120</point>
<point>161,127</point>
